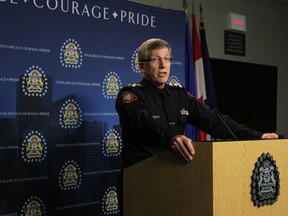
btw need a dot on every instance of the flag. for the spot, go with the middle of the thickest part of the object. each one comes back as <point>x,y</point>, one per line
<point>210,89</point>
<point>191,131</point>
<point>199,69</point>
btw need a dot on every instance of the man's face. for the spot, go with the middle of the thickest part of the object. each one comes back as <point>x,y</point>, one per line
<point>157,70</point>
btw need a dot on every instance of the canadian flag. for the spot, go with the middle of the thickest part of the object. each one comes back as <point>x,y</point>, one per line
<point>199,70</point>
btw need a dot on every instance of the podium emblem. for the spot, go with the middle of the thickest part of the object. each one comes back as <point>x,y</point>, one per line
<point>265,181</point>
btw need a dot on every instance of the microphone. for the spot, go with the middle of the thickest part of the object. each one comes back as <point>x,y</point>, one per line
<point>221,119</point>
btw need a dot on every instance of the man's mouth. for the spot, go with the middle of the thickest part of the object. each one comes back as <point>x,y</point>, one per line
<point>161,74</point>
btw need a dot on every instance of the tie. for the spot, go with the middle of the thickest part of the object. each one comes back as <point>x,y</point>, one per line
<point>170,109</point>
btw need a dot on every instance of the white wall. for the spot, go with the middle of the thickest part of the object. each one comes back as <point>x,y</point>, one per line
<point>266,37</point>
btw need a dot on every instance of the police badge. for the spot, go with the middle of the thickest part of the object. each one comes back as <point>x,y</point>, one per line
<point>265,181</point>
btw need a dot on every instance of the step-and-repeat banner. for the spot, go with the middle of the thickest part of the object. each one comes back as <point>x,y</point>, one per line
<point>62,63</point>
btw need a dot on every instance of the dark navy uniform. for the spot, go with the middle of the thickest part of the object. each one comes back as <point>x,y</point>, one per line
<point>150,117</point>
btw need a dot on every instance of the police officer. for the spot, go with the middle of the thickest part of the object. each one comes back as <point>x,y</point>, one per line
<point>153,114</point>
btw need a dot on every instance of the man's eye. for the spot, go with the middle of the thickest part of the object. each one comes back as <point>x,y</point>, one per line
<point>167,59</point>
<point>155,59</point>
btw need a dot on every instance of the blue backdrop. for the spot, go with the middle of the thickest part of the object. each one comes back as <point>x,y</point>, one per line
<point>62,63</point>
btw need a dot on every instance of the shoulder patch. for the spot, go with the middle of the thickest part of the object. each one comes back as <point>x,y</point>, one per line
<point>127,98</point>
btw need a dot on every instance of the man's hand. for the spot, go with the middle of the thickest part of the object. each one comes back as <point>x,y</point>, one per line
<point>183,146</point>
<point>270,136</point>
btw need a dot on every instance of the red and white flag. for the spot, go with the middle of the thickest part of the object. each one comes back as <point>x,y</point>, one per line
<point>199,70</point>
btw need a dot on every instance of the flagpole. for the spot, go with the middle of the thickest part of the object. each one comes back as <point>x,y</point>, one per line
<point>185,5</point>
<point>193,7</point>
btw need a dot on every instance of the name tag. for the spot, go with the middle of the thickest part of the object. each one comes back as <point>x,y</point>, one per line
<point>156,117</point>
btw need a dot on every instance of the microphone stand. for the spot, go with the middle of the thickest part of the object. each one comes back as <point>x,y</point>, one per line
<point>221,119</point>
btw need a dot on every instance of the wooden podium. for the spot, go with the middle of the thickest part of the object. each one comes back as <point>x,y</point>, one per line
<point>216,183</point>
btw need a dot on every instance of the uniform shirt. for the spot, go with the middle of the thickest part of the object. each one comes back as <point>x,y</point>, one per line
<point>150,117</point>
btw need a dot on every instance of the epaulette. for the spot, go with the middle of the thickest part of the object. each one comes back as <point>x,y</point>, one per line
<point>175,85</point>
<point>135,85</point>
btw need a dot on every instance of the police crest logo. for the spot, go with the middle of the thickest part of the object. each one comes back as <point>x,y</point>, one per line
<point>34,82</point>
<point>34,147</point>
<point>134,64</point>
<point>110,202</point>
<point>70,54</point>
<point>70,176</point>
<point>265,184</point>
<point>111,85</point>
<point>33,206</point>
<point>111,144</point>
<point>70,116</point>
<point>174,81</point>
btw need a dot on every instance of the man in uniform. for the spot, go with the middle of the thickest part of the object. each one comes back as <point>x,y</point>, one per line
<point>153,114</point>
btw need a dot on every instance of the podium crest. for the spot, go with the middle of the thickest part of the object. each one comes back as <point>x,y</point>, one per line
<point>265,186</point>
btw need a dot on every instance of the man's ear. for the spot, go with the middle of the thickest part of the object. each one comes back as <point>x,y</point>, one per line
<point>141,65</point>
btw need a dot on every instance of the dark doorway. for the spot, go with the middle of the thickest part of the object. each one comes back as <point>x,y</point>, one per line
<point>247,92</point>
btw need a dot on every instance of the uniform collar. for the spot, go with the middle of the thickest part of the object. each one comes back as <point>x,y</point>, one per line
<point>153,89</point>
